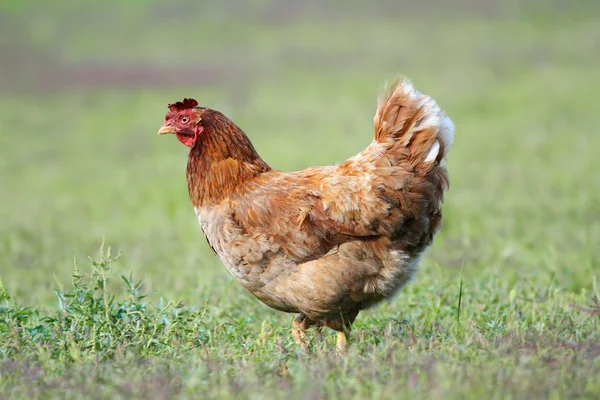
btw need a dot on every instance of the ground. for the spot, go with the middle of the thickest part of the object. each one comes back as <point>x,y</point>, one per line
<point>506,303</point>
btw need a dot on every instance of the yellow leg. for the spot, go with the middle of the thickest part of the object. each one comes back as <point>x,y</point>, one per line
<point>341,345</point>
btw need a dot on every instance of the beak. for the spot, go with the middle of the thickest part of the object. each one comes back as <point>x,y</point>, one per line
<point>165,129</point>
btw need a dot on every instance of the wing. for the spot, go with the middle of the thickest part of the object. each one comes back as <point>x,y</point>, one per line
<point>281,207</point>
<point>306,213</point>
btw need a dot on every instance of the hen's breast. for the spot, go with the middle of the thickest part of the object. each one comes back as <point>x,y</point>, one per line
<point>255,261</point>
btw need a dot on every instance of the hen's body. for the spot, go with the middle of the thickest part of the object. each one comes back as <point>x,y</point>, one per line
<point>275,236</point>
<point>325,242</point>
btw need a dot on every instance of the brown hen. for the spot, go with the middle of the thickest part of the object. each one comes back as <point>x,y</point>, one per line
<point>325,242</point>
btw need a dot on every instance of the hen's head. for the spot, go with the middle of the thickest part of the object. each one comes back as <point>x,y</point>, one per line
<point>183,119</point>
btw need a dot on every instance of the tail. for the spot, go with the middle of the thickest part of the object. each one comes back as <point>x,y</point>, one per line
<point>408,120</point>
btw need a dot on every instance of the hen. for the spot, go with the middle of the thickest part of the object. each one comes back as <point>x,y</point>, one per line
<point>325,242</point>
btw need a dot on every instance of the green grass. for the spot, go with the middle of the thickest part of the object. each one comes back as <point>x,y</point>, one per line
<point>507,301</point>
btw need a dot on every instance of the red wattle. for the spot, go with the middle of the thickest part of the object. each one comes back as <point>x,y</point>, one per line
<point>189,141</point>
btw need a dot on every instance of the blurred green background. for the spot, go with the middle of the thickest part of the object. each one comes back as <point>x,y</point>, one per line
<point>84,88</point>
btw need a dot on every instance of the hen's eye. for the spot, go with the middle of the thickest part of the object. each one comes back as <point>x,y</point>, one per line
<point>184,120</point>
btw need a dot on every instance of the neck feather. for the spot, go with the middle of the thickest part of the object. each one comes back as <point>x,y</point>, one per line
<point>221,161</point>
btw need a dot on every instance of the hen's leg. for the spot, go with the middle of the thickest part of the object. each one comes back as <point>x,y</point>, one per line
<point>299,326</point>
<point>341,344</point>
<point>343,327</point>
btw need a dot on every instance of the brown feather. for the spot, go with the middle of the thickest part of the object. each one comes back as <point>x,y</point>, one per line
<point>326,241</point>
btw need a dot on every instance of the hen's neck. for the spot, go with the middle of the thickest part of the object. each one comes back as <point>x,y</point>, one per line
<point>221,161</point>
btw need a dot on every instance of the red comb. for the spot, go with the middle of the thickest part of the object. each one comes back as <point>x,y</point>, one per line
<point>183,105</point>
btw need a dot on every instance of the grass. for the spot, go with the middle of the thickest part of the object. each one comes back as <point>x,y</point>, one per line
<point>507,301</point>
<point>531,342</point>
